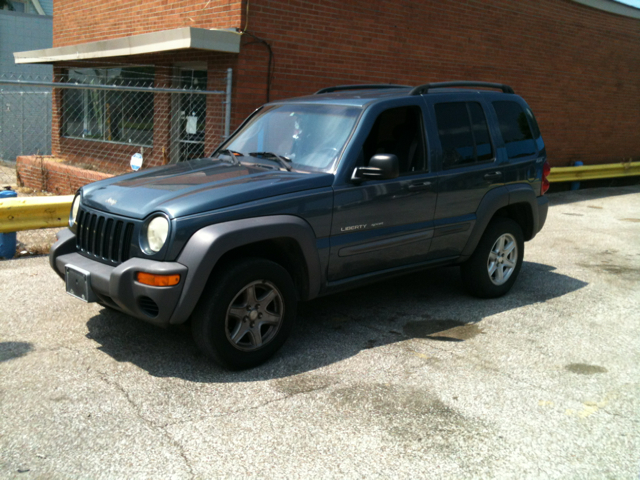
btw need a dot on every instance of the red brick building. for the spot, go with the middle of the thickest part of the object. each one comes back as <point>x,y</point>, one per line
<point>576,62</point>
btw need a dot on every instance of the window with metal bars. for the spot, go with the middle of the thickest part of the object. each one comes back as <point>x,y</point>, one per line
<point>109,116</point>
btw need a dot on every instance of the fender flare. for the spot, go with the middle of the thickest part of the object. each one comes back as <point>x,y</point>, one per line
<point>493,201</point>
<point>525,194</point>
<point>205,248</point>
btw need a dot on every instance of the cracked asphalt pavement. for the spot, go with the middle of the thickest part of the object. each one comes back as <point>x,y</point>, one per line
<point>405,378</point>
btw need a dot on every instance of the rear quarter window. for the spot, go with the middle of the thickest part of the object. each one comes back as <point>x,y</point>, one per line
<point>515,129</point>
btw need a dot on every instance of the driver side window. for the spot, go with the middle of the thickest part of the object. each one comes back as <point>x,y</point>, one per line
<point>398,131</point>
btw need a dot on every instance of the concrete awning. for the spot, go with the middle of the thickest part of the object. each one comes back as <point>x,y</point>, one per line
<point>155,42</point>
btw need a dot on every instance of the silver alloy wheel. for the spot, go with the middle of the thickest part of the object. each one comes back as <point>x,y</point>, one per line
<point>502,259</point>
<point>254,316</point>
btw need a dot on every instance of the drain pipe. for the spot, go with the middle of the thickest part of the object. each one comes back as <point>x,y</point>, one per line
<point>576,185</point>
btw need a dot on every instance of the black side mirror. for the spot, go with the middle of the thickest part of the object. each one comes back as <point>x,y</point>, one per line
<point>382,166</point>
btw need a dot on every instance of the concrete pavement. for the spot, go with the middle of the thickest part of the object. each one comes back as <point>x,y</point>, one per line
<point>406,378</point>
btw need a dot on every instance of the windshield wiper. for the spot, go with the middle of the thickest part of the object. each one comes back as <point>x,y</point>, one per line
<point>231,153</point>
<point>285,162</point>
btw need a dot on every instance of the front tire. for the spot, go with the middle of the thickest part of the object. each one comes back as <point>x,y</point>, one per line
<point>494,266</point>
<point>245,314</point>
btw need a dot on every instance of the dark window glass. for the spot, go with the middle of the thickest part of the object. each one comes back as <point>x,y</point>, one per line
<point>455,134</point>
<point>398,131</point>
<point>480,132</point>
<point>534,124</point>
<point>19,7</point>
<point>112,116</point>
<point>515,129</point>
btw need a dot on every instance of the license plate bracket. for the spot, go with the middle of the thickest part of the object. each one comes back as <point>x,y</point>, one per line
<point>78,283</point>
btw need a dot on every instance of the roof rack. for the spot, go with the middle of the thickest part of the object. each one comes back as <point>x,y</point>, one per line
<point>358,87</point>
<point>425,88</point>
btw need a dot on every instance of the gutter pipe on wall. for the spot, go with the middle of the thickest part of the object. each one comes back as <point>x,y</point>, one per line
<point>270,63</point>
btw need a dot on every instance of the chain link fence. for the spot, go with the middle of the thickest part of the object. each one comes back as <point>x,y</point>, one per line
<point>59,132</point>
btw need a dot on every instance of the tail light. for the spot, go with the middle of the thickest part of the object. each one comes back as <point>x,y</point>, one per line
<point>546,170</point>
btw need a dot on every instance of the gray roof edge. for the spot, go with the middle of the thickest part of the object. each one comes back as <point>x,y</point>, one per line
<point>163,41</point>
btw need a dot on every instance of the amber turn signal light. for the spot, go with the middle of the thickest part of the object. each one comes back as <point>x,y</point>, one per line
<point>157,280</point>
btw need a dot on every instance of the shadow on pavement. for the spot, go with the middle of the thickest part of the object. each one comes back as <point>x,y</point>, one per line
<point>590,194</point>
<point>11,350</point>
<point>429,305</point>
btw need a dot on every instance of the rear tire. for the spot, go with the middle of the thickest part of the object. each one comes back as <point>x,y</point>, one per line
<point>245,314</point>
<point>494,266</point>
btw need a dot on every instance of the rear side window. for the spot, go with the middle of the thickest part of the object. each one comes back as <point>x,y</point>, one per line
<point>480,132</point>
<point>463,132</point>
<point>515,129</point>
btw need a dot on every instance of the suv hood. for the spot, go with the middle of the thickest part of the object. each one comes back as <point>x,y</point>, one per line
<point>194,187</point>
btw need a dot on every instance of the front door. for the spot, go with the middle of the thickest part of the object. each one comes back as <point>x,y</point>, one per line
<point>383,224</point>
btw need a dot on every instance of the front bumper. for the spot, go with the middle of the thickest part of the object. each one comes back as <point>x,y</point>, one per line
<point>117,287</point>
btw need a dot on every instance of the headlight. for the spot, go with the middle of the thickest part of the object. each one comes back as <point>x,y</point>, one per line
<point>74,211</point>
<point>157,231</point>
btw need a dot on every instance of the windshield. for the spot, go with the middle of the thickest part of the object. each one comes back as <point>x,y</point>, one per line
<point>311,136</point>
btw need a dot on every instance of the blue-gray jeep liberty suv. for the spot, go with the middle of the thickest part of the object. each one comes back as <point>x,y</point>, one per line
<point>310,196</point>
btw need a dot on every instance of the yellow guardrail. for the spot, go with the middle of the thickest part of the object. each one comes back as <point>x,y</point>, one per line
<point>30,213</point>
<point>594,172</point>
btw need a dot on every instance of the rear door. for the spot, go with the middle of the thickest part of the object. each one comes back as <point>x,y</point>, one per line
<point>521,143</point>
<point>469,167</point>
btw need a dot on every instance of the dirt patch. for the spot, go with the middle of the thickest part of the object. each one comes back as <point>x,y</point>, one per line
<point>442,330</point>
<point>400,414</point>
<point>584,369</point>
<point>8,176</point>
<point>613,269</point>
<point>35,242</point>
<point>305,383</point>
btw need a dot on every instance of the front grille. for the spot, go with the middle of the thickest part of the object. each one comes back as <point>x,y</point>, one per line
<point>103,237</point>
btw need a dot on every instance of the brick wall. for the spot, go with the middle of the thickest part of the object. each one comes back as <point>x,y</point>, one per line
<point>578,68</point>
<point>80,21</point>
<point>49,174</point>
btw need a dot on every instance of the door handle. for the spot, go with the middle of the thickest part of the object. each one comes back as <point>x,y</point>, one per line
<point>419,185</point>
<point>493,176</point>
